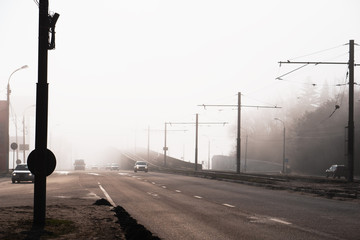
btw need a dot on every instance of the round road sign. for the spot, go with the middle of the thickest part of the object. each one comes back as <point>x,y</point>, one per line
<point>41,162</point>
<point>14,146</point>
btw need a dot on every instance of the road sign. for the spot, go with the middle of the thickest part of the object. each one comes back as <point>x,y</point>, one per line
<point>24,147</point>
<point>41,162</point>
<point>14,146</point>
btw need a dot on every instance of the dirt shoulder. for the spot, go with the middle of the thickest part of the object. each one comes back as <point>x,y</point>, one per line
<point>72,219</point>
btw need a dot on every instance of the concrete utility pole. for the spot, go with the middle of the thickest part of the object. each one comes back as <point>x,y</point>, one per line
<point>165,148</point>
<point>196,140</point>
<point>196,134</point>
<point>283,160</point>
<point>41,161</point>
<point>238,139</point>
<point>351,136</point>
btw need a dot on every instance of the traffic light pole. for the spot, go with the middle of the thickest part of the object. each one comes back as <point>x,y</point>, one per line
<point>41,161</point>
<point>41,112</point>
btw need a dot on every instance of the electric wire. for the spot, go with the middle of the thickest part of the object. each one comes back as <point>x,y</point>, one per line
<point>321,51</point>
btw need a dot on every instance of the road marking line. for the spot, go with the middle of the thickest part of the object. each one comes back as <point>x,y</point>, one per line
<point>198,197</point>
<point>95,174</point>
<point>228,205</point>
<point>177,191</point>
<point>153,183</point>
<point>107,195</point>
<point>153,194</point>
<point>163,187</point>
<point>279,221</point>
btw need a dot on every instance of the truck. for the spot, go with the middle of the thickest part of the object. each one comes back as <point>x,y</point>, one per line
<point>79,164</point>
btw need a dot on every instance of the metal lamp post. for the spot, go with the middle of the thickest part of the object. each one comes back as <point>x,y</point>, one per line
<point>24,132</point>
<point>8,113</point>
<point>284,170</point>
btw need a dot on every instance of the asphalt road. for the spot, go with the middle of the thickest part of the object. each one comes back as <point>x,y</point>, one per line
<point>181,207</point>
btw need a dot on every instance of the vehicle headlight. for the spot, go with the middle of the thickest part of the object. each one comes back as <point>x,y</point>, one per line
<point>30,174</point>
<point>14,174</point>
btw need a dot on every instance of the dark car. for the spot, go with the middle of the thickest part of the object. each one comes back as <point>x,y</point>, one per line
<point>79,164</point>
<point>141,166</point>
<point>337,171</point>
<point>22,173</point>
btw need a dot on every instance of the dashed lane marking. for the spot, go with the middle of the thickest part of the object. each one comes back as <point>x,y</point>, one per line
<point>178,191</point>
<point>280,221</point>
<point>198,197</point>
<point>95,174</point>
<point>228,205</point>
<point>164,187</point>
<point>153,194</point>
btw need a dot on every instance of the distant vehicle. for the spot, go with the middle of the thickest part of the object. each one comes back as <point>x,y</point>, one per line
<point>22,173</point>
<point>115,166</point>
<point>141,166</point>
<point>337,171</point>
<point>94,167</point>
<point>79,164</point>
<point>108,167</point>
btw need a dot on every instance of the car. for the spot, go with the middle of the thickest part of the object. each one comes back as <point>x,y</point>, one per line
<point>141,166</point>
<point>94,167</point>
<point>79,164</point>
<point>337,171</point>
<point>22,173</point>
<point>108,166</point>
<point>115,166</point>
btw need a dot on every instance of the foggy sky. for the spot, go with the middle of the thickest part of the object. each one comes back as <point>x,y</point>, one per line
<point>122,66</point>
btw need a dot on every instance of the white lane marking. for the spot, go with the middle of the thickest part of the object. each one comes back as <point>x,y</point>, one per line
<point>228,205</point>
<point>62,172</point>
<point>123,174</point>
<point>198,197</point>
<point>153,194</point>
<point>177,191</point>
<point>279,221</point>
<point>163,187</point>
<point>107,195</point>
<point>153,183</point>
<point>95,174</point>
<point>61,196</point>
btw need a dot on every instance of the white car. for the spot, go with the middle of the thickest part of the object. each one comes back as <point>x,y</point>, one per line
<point>141,166</point>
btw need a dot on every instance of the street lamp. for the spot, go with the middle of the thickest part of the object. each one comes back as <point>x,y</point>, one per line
<point>23,122</point>
<point>284,170</point>
<point>8,113</point>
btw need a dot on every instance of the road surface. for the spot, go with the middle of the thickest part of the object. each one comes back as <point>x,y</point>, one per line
<point>181,207</point>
